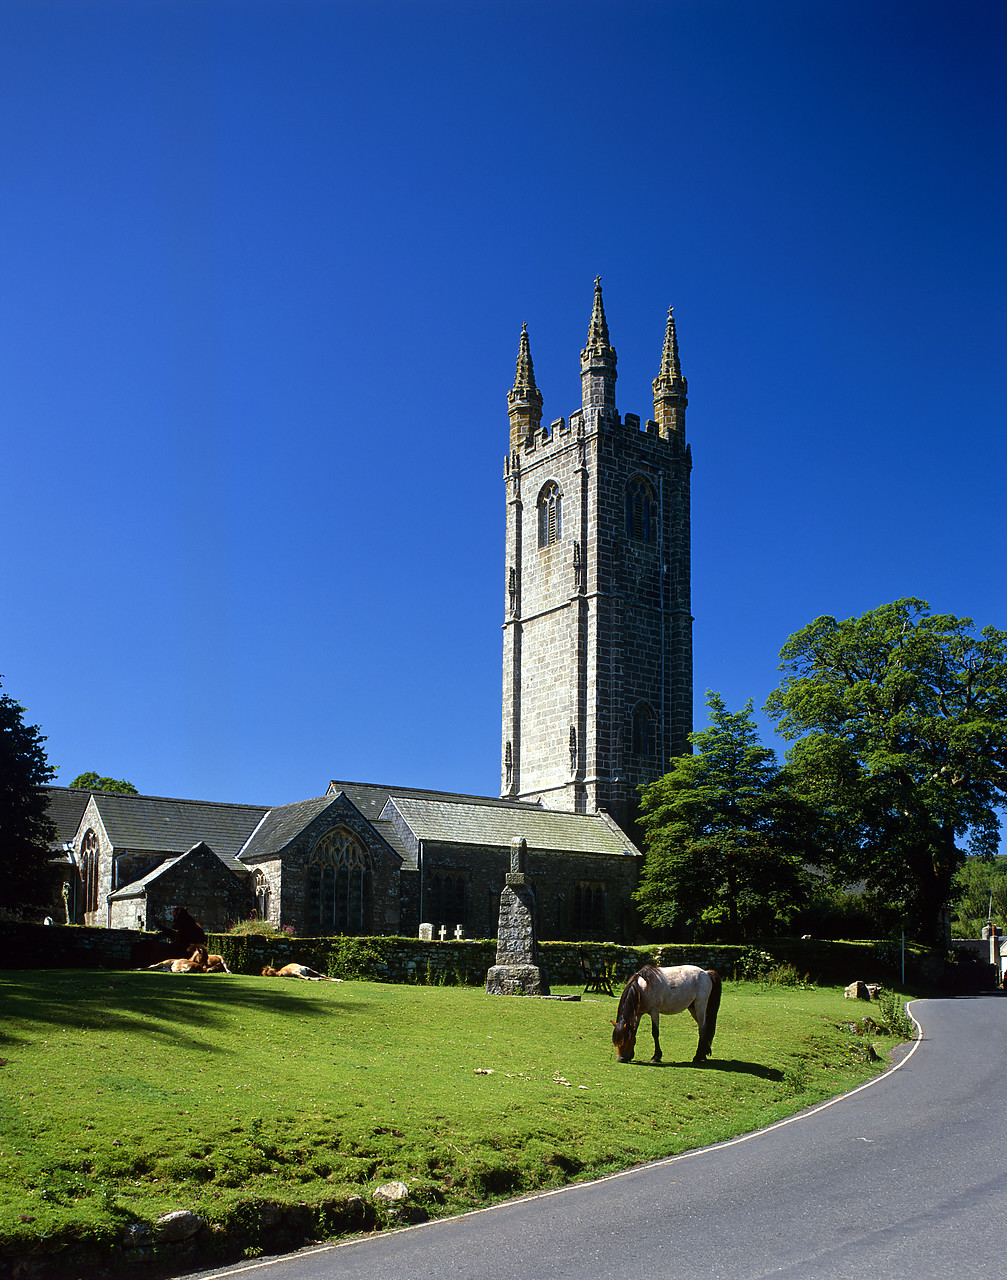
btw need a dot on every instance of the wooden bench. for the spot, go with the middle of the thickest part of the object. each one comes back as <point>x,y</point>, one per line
<point>595,976</point>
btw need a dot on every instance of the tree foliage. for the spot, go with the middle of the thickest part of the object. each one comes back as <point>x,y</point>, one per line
<point>92,782</point>
<point>724,832</point>
<point>900,718</point>
<point>26,830</point>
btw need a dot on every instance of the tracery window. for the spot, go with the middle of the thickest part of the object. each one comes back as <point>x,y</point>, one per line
<point>260,893</point>
<point>550,515</point>
<point>640,511</point>
<point>445,902</point>
<point>643,730</point>
<point>589,906</point>
<point>339,877</point>
<point>88,865</point>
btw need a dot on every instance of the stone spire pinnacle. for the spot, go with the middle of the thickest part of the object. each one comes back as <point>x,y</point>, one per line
<point>670,388</point>
<point>670,367</point>
<point>597,333</point>
<point>524,400</point>
<point>597,363</point>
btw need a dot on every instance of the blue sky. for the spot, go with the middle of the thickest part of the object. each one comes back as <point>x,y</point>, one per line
<point>266,265</point>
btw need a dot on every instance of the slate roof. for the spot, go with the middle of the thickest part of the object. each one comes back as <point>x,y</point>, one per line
<point>370,798</point>
<point>66,808</point>
<point>450,822</point>
<point>157,824</point>
<point>281,825</point>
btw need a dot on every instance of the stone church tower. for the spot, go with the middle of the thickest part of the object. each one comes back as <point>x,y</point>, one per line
<point>597,673</point>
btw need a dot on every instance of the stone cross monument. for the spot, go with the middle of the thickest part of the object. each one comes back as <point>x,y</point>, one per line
<point>517,971</point>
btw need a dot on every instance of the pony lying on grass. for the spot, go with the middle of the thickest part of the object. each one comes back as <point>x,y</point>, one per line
<point>298,971</point>
<point>656,991</point>
<point>199,960</point>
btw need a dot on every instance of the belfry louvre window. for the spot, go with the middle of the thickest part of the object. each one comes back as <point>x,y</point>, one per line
<point>550,515</point>
<point>640,511</point>
<point>338,883</point>
<point>643,730</point>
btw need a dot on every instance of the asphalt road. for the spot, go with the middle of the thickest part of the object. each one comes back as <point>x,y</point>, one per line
<point>901,1178</point>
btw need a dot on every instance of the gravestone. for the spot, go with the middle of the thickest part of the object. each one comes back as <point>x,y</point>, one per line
<point>517,971</point>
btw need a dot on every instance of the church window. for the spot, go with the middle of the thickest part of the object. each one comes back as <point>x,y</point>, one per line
<point>643,730</point>
<point>89,870</point>
<point>508,766</point>
<point>640,511</point>
<point>445,903</point>
<point>589,907</point>
<point>339,879</point>
<point>550,516</point>
<point>260,893</point>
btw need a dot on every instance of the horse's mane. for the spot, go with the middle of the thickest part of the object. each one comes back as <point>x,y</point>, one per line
<point>632,994</point>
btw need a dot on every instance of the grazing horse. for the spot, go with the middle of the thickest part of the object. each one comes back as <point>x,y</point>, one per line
<point>298,971</point>
<point>656,991</point>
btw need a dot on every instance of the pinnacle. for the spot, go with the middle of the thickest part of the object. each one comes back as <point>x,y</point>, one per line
<point>524,377</point>
<point>669,356</point>
<point>597,334</point>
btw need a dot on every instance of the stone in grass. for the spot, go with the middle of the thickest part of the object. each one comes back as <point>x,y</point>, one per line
<point>393,1197</point>
<point>857,991</point>
<point>180,1224</point>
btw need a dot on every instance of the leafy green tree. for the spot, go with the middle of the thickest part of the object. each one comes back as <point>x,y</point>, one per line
<point>92,782</point>
<point>979,894</point>
<point>725,832</point>
<point>26,830</point>
<point>900,718</point>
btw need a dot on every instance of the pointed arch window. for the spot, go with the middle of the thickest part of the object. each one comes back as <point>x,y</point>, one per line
<point>259,886</point>
<point>339,883</point>
<point>89,852</point>
<point>641,511</point>
<point>550,515</point>
<point>643,731</point>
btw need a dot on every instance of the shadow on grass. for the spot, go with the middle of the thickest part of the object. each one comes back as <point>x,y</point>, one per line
<point>177,1005</point>
<point>732,1065</point>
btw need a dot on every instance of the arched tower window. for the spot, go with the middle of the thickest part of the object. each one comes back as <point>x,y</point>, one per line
<point>339,877</point>
<point>550,517</point>
<point>643,730</point>
<point>89,870</point>
<point>641,510</point>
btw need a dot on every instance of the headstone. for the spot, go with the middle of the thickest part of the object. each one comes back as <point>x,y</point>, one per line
<point>517,971</point>
<point>458,932</point>
<point>442,932</point>
<point>426,933</point>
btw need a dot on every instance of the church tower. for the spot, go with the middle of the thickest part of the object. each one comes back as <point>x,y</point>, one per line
<point>597,679</point>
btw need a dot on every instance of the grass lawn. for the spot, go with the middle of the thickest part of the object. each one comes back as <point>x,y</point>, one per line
<point>126,1095</point>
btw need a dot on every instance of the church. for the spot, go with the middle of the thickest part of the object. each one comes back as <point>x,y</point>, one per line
<point>597,695</point>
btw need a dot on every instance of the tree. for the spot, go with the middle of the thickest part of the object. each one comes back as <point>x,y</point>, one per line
<point>92,782</point>
<point>26,830</point>
<point>724,832</point>
<point>900,722</point>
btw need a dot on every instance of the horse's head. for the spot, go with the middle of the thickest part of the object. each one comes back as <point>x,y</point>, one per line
<point>624,1039</point>
<point>268,972</point>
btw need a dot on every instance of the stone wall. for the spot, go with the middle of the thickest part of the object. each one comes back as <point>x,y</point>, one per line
<point>407,960</point>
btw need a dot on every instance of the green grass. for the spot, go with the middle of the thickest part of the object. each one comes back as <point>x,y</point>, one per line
<point>125,1095</point>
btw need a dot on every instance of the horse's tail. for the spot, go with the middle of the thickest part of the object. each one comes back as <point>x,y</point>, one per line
<point>712,1006</point>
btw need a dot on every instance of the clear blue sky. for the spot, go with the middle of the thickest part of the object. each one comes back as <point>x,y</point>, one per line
<point>265,268</point>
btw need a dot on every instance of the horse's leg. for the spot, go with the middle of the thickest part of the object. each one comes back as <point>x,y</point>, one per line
<point>703,1048</point>
<point>654,1020</point>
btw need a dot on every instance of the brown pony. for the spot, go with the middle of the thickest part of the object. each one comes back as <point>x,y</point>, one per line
<point>655,991</point>
<point>195,963</point>
<point>297,971</point>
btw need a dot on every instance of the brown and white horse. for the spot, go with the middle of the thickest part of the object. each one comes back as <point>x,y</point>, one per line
<point>655,991</point>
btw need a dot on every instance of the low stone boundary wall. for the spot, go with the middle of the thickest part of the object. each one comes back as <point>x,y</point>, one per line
<point>465,962</point>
